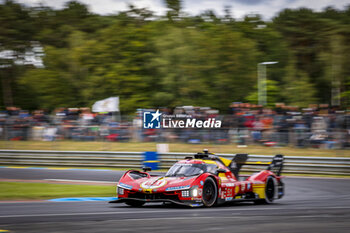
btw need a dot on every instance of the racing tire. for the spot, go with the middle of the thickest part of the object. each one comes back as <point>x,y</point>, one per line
<point>270,191</point>
<point>210,193</point>
<point>135,203</point>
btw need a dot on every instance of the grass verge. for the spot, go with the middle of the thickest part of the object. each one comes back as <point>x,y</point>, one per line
<point>173,147</point>
<point>42,191</point>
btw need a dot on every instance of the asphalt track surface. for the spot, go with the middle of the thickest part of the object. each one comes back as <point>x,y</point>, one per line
<point>310,205</point>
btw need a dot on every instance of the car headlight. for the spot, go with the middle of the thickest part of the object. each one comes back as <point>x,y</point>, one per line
<point>120,191</point>
<point>185,193</point>
<point>194,192</point>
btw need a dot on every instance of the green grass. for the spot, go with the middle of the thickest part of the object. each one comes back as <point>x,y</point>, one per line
<point>173,147</point>
<point>42,191</point>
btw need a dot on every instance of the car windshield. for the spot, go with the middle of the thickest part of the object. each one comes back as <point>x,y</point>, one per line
<point>180,169</point>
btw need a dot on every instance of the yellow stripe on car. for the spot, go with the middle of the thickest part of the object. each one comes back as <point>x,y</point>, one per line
<point>260,190</point>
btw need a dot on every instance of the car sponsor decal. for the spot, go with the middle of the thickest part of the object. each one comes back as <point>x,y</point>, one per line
<point>151,184</point>
<point>124,186</point>
<point>195,205</point>
<point>228,184</point>
<point>177,188</point>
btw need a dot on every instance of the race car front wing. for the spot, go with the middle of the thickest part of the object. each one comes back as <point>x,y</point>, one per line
<point>185,203</point>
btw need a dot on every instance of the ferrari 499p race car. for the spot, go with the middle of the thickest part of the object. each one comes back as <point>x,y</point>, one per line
<point>204,180</point>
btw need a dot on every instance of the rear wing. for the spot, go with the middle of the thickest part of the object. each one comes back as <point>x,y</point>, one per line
<point>276,165</point>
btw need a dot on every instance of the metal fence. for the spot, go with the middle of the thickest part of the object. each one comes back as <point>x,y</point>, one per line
<point>293,164</point>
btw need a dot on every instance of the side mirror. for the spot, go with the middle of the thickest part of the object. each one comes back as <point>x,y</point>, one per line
<point>221,170</point>
<point>146,169</point>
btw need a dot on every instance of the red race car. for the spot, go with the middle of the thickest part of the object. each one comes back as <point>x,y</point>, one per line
<point>203,180</point>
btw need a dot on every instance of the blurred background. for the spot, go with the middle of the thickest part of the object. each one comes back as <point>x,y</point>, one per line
<point>279,78</point>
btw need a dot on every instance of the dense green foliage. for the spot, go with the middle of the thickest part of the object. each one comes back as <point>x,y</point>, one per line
<point>172,60</point>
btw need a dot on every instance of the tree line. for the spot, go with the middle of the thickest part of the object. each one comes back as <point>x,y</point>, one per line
<point>171,60</point>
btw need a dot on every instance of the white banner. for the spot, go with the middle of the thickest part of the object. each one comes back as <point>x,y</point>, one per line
<point>110,104</point>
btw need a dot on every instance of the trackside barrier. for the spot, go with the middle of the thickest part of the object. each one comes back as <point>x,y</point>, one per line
<point>125,159</point>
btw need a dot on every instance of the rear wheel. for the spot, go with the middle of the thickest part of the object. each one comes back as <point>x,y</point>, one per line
<point>210,192</point>
<point>270,191</point>
<point>135,203</point>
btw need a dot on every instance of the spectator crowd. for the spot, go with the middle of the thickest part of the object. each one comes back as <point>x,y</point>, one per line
<point>318,126</point>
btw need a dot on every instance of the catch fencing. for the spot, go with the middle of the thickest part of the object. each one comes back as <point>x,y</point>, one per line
<point>125,159</point>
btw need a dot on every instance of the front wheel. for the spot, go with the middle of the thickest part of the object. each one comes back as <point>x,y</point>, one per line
<point>210,192</point>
